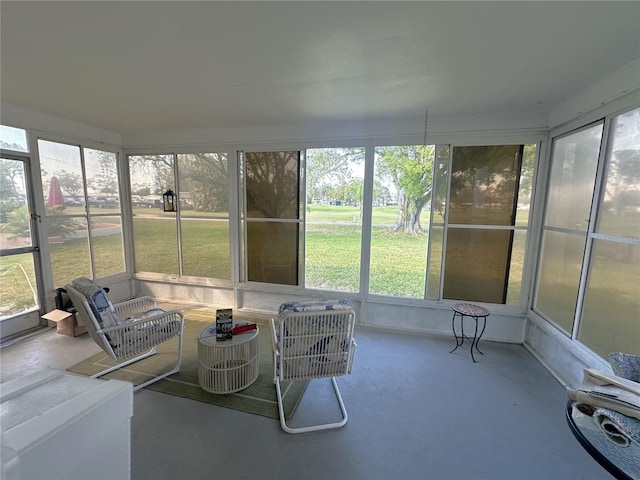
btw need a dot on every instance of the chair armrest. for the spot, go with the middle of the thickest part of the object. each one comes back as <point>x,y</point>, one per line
<point>163,318</point>
<point>130,308</point>
<point>352,353</point>
<point>132,338</point>
<point>274,336</point>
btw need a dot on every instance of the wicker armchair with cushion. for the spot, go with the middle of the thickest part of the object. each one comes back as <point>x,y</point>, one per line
<point>129,331</point>
<point>313,340</point>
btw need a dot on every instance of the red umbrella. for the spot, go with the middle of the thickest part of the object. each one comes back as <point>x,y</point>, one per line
<point>55,199</point>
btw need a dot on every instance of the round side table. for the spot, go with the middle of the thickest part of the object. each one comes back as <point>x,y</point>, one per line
<point>228,366</point>
<point>469,310</point>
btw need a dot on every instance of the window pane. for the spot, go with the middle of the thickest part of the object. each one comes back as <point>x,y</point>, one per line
<point>620,210</point>
<point>17,284</point>
<point>272,184</point>
<point>526,184</point>
<point>272,252</point>
<point>150,176</point>
<point>69,249</point>
<point>104,198</point>
<point>440,194</point>
<point>483,185</point>
<point>204,184</point>
<point>436,232</point>
<point>609,321</point>
<point>12,138</point>
<point>62,181</point>
<point>559,276</point>
<point>155,233</point>
<point>476,267</point>
<point>573,169</point>
<point>400,219</point>
<point>204,215</point>
<point>61,172</point>
<point>205,248</point>
<point>102,181</point>
<point>155,243</point>
<point>108,250</point>
<point>484,190</point>
<point>436,240</point>
<point>574,160</point>
<point>333,219</point>
<point>14,212</point>
<point>516,268</point>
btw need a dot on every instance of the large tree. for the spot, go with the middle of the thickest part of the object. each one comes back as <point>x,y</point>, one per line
<point>70,183</point>
<point>9,172</point>
<point>330,168</point>
<point>410,170</point>
<point>206,177</point>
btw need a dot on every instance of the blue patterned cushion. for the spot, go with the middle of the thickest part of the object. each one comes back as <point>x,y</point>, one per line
<point>316,305</point>
<point>619,428</point>
<point>625,365</point>
<point>98,302</point>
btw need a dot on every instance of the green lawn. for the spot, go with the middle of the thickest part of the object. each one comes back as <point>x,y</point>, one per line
<point>333,238</point>
<point>333,251</point>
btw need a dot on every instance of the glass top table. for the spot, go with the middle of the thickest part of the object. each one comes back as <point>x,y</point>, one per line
<point>621,462</point>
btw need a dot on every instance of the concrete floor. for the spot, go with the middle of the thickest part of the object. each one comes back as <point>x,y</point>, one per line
<point>415,412</point>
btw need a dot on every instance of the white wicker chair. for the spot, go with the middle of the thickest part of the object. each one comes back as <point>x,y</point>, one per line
<point>141,327</point>
<point>313,340</point>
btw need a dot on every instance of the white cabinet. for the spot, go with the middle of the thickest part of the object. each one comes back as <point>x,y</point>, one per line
<point>61,426</point>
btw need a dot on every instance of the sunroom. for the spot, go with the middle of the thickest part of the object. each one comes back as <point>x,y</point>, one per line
<point>404,156</point>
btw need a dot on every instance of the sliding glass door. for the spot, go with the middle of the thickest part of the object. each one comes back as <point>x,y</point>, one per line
<point>574,161</point>
<point>19,261</point>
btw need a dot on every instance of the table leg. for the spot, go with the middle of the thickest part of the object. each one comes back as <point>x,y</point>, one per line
<point>459,340</point>
<point>484,325</point>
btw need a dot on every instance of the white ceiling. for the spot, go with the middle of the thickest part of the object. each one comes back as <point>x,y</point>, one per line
<point>163,66</point>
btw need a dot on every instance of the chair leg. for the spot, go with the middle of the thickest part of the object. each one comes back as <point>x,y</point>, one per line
<point>124,364</point>
<point>174,369</point>
<point>312,428</point>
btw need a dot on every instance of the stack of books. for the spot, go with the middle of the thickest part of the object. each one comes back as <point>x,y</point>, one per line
<point>226,328</point>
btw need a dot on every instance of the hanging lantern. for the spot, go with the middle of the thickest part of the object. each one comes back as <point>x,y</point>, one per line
<point>169,201</point>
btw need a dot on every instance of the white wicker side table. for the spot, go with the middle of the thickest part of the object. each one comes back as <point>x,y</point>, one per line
<point>228,366</point>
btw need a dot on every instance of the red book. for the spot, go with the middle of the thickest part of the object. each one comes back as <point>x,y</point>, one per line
<point>244,328</point>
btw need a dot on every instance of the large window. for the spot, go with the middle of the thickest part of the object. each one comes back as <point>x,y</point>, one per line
<point>83,217</point>
<point>194,240</point>
<point>465,242</point>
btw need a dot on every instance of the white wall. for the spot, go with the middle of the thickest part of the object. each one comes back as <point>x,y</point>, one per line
<point>440,129</point>
<point>21,117</point>
<point>594,101</point>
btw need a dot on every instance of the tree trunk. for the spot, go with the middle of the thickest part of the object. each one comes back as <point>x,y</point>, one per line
<point>403,208</point>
